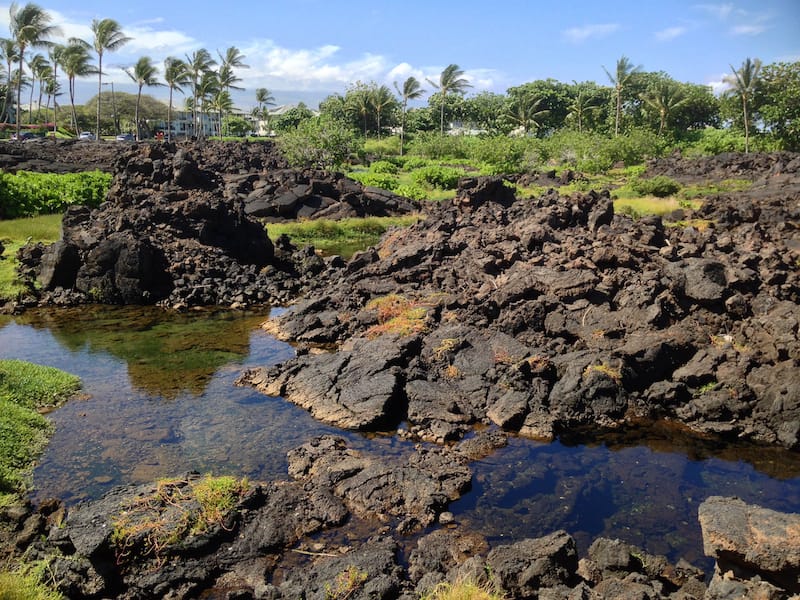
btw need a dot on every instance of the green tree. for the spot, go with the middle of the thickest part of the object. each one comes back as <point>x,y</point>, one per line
<point>526,111</point>
<point>76,62</point>
<point>778,101</point>
<point>264,99</point>
<point>40,69</point>
<point>485,111</point>
<point>222,103</point>
<point>198,64</point>
<point>176,76</point>
<point>382,101</point>
<point>319,142</point>
<point>358,101</point>
<point>411,90</point>
<point>450,80</point>
<point>584,105</point>
<point>663,101</point>
<point>144,73</point>
<point>622,75</point>
<point>232,59</point>
<point>743,84</point>
<point>108,37</point>
<point>30,27</point>
<point>556,97</point>
<point>293,118</point>
<point>10,53</point>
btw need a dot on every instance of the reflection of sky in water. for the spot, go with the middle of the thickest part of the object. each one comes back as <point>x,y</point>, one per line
<point>644,491</point>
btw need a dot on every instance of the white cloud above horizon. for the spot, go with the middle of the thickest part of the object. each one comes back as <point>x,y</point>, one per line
<point>577,35</point>
<point>671,33</point>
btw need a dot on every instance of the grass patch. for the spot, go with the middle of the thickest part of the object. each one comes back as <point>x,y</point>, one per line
<point>331,236</point>
<point>28,582</point>
<point>651,205</point>
<point>14,233</point>
<point>399,315</point>
<point>463,590</point>
<point>703,190</point>
<point>177,508</point>
<point>25,389</point>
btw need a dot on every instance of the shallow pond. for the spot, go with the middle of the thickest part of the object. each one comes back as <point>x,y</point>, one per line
<point>159,400</point>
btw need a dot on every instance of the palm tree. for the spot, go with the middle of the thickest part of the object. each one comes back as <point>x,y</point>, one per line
<point>55,52</point>
<point>76,62</point>
<point>176,75</point>
<point>381,98</point>
<point>10,53</point>
<point>222,103</point>
<point>38,66</point>
<point>144,73</point>
<point>582,105</point>
<point>450,80</point>
<point>207,89</point>
<point>30,27</point>
<point>743,84</point>
<point>361,98</point>
<point>619,80</point>
<point>412,89</point>
<point>663,100</point>
<point>264,100</point>
<point>525,112</point>
<point>197,64</point>
<point>108,36</point>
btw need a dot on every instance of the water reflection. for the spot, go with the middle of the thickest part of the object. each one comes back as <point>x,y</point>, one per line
<point>159,400</point>
<point>166,353</point>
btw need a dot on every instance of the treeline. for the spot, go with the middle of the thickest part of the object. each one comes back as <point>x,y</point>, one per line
<point>635,100</point>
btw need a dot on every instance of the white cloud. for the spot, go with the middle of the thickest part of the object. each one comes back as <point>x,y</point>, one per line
<point>577,35</point>
<point>720,11</point>
<point>752,29</point>
<point>670,33</point>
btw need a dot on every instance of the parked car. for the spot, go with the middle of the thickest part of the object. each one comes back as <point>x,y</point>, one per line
<point>125,137</point>
<point>23,135</point>
<point>86,135</point>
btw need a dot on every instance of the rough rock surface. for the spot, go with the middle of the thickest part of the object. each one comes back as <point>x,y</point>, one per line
<point>177,229</point>
<point>551,314</point>
<point>749,541</point>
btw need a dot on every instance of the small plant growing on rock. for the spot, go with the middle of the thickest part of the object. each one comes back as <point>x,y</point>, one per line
<point>445,346</point>
<point>464,589</point>
<point>397,315</point>
<point>614,373</point>
<point>347,583</point>
<point>659,186</point>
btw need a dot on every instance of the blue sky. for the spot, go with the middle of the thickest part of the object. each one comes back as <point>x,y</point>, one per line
<point>306,49</point>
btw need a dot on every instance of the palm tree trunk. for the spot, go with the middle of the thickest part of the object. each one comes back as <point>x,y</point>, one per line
<point>72,104</point>
<point>402,128</point>
<point>746,126</point>
<point>169,116</point>
<point>99,89</point>
<point>138,98</point>
<point>19,87</point>
<point>30,101</point>
<point>441,117</point>
<point>619,112</point>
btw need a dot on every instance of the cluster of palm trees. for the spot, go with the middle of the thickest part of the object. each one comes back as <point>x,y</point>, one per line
<point>31,27</point>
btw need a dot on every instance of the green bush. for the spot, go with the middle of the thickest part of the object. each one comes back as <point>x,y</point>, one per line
<point>660,186</point>
<point>26,194</point>
<point>385,181</point>
<point>412,191</point>
<point>320,142</point>
<point>415,162</point>
<point>384,166</point>
<point>445,178</point>
<point>383,147</point>
<point>434,146</point>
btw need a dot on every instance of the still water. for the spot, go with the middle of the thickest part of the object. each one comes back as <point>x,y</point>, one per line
<point>158,400</point>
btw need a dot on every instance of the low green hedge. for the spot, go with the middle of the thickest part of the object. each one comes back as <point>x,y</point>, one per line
<point>25,194</point>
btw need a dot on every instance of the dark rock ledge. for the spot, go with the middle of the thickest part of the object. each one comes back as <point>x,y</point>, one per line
<point>265,545</point>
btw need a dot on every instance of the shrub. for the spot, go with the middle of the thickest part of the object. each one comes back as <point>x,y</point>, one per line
<point>383,147</point>
<point>384,166</point>
<point>321,142</point>
<point>445,178</point>
<point>660,186</point>
<point>25,194</point>
<point>415,162</point>
<point>381,180</point>
<point>411,190</point>
<point>435,146</point>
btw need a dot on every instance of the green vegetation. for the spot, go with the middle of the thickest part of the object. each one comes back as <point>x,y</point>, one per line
<point>26,389</point>
<point>27,582</point>
<point>334,236</point>
<point>149,525</point>
<point>398,315</point>
<point>347,583</point>
<point>25,194</point>
<point>13,234</point>
<point>464,589</point>
<point>659,186</point>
